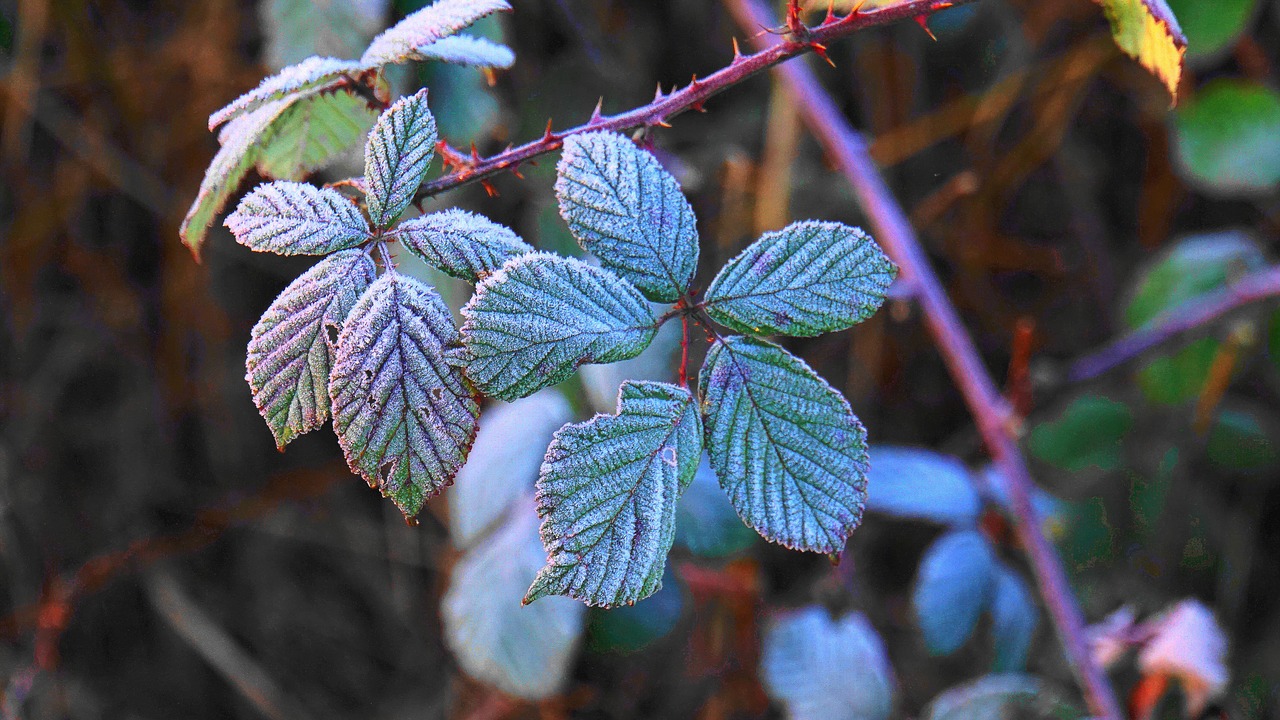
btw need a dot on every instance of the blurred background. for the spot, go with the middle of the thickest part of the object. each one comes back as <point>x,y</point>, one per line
<point>159,558</point>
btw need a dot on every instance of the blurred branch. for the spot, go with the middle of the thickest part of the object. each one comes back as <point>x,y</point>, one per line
<point>1188,316</point>
<point>844,145</point>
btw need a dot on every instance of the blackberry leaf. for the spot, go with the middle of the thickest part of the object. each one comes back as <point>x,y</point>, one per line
<point>467,50</point>
<point>290,218</point>
<point>396,157</point>
<point>953,586</point>
<point>407,40</point>
<point>313,75</point>
<point>461,244</point>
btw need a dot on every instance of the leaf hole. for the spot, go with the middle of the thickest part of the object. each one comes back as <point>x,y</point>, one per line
<point>332,331</point>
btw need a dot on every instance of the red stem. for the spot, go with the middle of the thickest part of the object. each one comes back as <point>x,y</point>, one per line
<point>894,232</point>
<point>684,350</point>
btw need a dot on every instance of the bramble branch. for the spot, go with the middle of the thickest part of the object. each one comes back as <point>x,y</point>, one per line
<point>892,229</point>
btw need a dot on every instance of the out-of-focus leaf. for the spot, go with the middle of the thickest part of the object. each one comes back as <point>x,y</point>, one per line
<point>503,464</point>
<point>1014,617</point>
<point>706,523</point>
<point>312,75</point>
<point>291,218</point>
<point>1088,433</point>
<point>1211,27</point>
<point>1050,509</point>
<point>291,348</point>
<point>784,444</point>
<point>607,495</point>
<point>404,417</point>
<point>1087,539</point>
<point>1188,644</point>
<point>425,27</point>
<point>1227,138</point>
<point>1239,442</point>
<point>1000,697</point>
<point>1177,378</point>
<point>657,362</point>
<point>467,50</point>
<point>630,628</point>
<point>953,586</point>
<point>807,279</point>
<point>296,29</point>
<point>312,133</point>
<point>919,483</point>
<point>1147,31</point>
<point>396,158</point>
<point>624,208</point>
<point>462,244</point>
<point>824,669</point>
<point>540,316</point>
<point>527,652</point>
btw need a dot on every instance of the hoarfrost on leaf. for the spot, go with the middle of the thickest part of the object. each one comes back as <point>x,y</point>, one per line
<point>421,29</point>
<point>466,50</point>
<point>396,157</point>
<point>459,243</point>
<point>315,74</point>
<point>290,218</point>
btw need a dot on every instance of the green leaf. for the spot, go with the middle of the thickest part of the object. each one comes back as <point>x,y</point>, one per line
<point>807,279</point>
<point>291,218</point>
<point>313,75</point>
<point>1212,27</point>
<point>631,628</point>
<point>1014,617</point>
<point>1087,434</point>
<point>1227,138</point>
<point>998,697</point>
<point>1238,441</point>
<point>918,483</point>
<point>623,207</point>
<point>407,40</point>
<point>607,496</point>
<point>404,417</point>
<point>953,586</point>
<point>467,50</point>
<point>313,132</point>
<point>785,445</point>
<point>504,461</point>
<point>824,669</point>
<point>397,155</point>
<point>540,316</point>
<point>461,244</point>
<point>295,29</point>
<point>706,523</point>
<point>527,652</point>
<point>1147,31</point>
<point>292,347</point>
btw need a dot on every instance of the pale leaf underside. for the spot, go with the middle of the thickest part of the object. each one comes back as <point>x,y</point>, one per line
<point>467,50</point>
<point>312,75</point>
<point>785,445</point>
<point>426,27</point>
<point>292,218</point>
<point>404,417</point>
<point>461,244</point>
<point>396,157</point>
<point>607,495</point>
<point>314,131</point>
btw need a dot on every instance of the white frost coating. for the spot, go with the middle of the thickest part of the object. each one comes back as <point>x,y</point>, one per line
<point>784,444</point>
<point>531,323</point>
<point>312,75</point>
<point>918,483</point>
<point>292,218</point>
<point>503,464</point>
<point>459,243</point>
<point>1014,617</point>
<point>657,362</point>
<point>523,651</point>
<point>396,157</point>
<point>467,50</point>
<point>953,587</point>
<point>824,669</point>
<point>607,496</point>
<point>623,207</point>
<point>807,279</point>
<point>426,27</point>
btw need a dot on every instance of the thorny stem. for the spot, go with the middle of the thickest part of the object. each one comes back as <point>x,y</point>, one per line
<point>843,144</point>
<point>692,96</point>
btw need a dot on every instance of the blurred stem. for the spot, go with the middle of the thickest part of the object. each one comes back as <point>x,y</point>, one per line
<point>847,148</point>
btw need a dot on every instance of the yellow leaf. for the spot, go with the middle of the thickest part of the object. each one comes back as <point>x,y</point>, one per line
<point>1148,32</point>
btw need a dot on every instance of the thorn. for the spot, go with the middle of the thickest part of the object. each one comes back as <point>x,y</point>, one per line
<point>548,136</point>
<point>923,21</point>
<point>475,155</point>
<point>737,52</point>
<point>662,123</point>
<point>595,114</point>
<point>697,106</point>
<point>489,188</point>
<point>821,51</point>
<point>794,24</point>
<point>658,94</point>
<point>831,12</point>
<point>515,170</point>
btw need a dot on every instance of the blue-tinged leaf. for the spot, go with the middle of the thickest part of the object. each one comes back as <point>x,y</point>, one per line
<point>467,50</point>
<point>953,586</point>
<point>607,496</point>
<point>1050,509</point>
<point>290,218</point>
<point>1014,617</point>
<point>807,279</point>
<point>314,132</point>
<point>503,464</point>
<point>404,417</point>
<point>632,628</point>
<point>918,483</point>
<point>657,362</point>
<point>705,521</point>
<point>540,316</point>
<point>461,244</point>
<point>415,33</point>
<point>785,445</point>
<point>291,348</point>
<point>626,209</point>
<point>396,157</point>
<point>313,75</point>
<point>999,697</point>
<point>523,651</point>
<point>824,669</point>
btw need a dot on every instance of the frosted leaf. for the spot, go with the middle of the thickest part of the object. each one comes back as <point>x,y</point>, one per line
<point>313,132</point>
<point>953,586</point>
<point>315,74</point>
<point>824,669</point>
<point>999,697</point>
<point>295,29</point>
<point>404,417</point>
<point>918,483</point>
<point>785,445</point>
<point>503,464</point>
<point>657,362</point>
<point>426,27</point>
<point>807,279</point>
<point>396,157</point>
<point>461,244</point>
<point>292,218</point>
<point>607,496</point>
<point>291,348</point>
<point>527,652</point>
<point>540,316</point>
<point>1014,617</point>
<point>624,208</point>
<point>466,50</point>
<point>706,523</point>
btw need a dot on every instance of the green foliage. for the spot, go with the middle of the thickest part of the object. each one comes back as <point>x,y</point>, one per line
<point>1087,434</point>
<point>1237,441</point>
<point>918,483</point>
<point>1228,138</point>
<point>1212,27</point>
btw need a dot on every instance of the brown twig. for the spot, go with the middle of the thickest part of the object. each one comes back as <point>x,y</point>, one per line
<point>844,145</point>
